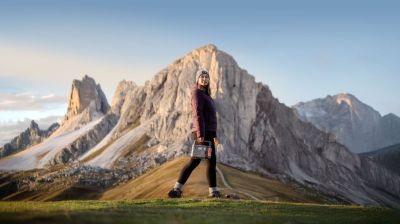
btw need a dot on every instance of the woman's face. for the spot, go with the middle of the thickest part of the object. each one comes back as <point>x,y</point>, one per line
<point>204,79</point>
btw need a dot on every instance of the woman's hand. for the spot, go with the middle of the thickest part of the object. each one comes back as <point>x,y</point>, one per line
<point>216,142</point>
<point>200,140</point>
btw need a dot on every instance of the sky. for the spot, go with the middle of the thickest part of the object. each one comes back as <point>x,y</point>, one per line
<point>302,49</point>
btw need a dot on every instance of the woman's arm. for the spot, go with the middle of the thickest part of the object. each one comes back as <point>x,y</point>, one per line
<point>197,111</point>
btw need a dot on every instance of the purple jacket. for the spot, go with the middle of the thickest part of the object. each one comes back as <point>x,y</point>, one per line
<point>204,112</point>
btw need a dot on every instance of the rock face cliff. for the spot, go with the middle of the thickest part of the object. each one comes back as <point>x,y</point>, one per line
<point>118,99</point>
<point>257,133</point>
<point>86,103</point>
<point>86,94</point>
<point>355,124</point>
<point>31,136</point>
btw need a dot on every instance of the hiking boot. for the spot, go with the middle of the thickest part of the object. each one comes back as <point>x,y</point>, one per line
<point>215,194</point>
<point>175,193</point>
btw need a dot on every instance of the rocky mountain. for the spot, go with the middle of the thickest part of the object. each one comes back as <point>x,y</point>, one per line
<point>354,124</point>
<point>86,123</point>
<point>86,94</point>
<point>388,157</point>
<point>257,132</point>
<point>86,103</point>
<point>31,136</point>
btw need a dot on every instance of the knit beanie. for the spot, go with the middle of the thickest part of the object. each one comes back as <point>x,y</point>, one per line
<point>201,72</point>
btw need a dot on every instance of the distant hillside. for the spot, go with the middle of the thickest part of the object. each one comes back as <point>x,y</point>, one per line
<point>355,124</point>
<point>388,157</point>
<point>31,136</point>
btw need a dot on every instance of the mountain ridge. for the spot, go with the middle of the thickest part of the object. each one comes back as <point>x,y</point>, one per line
<point>355,124</point>
<point>31,136</point>
<point>388,157</point>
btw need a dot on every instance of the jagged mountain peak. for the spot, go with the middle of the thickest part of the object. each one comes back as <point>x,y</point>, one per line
<point>123,88</point>
<point>391,116</point>
<point>345,95</point>
<point>124,83</point>
<point>355,124</point>
<point>347,98</point>
<point>34,125</point>
<point>355,104</point>
<point>87,102</point>
<point>209,47</point>
<point>208,57</point>
<point>206,49</point>
<point>31,136</point>
<point>85,94</point>
<point>342,103</point>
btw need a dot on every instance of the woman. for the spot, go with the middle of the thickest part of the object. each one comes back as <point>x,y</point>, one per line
<point>204,129</point>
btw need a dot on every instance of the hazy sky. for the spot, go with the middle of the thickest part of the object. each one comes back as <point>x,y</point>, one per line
<point>301,49</point>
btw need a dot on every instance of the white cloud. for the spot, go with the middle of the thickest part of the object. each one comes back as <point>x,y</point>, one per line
<point>29,102</point>
<point>18,107</point>
<point>48,96</point>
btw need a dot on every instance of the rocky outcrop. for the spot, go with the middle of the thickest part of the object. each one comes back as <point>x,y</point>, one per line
<point>31,136</point>
<point>86,103</point>
<point>118,99</point>
<point>85,94</point>
<point>355,124</point>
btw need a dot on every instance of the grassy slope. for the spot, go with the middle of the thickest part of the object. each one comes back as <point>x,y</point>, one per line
<point>189,211</point>
<point>157,182</point>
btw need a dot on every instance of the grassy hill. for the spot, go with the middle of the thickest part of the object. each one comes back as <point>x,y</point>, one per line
<point>157,182</point>
<point>190,211</point>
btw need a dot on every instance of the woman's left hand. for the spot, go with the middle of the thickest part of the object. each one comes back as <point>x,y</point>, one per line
<point>216,142</point>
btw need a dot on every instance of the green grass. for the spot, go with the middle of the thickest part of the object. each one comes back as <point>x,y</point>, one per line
<point>189,211</point>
